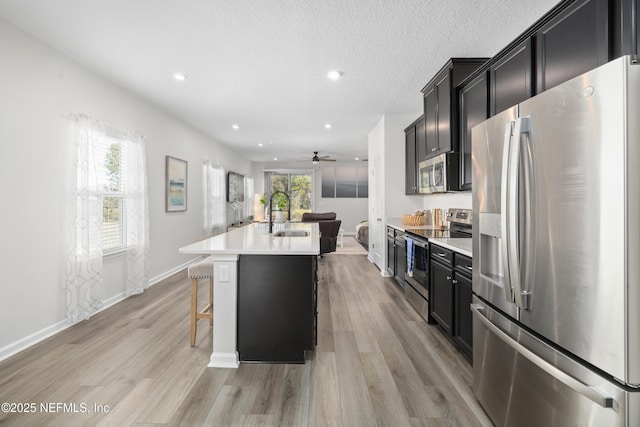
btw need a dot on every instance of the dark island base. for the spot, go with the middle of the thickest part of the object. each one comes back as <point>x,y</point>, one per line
<point>276,307</point>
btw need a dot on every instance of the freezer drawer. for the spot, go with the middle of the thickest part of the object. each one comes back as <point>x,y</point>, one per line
<point>522,381</point>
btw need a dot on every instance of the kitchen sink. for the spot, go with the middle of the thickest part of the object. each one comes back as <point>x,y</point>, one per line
<point>291,233</point>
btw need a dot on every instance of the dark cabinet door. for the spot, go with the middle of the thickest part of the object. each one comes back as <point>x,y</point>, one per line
<point>421,140</point>
<point>510,78</point>
<point>430,121</point>
<point>410,177</point>
<point>391,254</point>
<point>275,312</point>
<point>625,37</point>
<point>573,42</point>
<point>443,121</point>
<point>463,319</point>
<point>473,110</point>
<point>442,296</point>
<point>401,260</point>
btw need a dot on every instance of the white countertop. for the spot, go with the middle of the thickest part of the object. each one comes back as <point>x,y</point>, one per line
<point>254,239</point>
<point>463,246</point>
<point>460,245</point>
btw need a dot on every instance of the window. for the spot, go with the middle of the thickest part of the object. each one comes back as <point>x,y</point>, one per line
<point>215,208</point>
<point>345,182</point>
<point>111,184</point>
<point>297,184</point>
<point>249,196</point>
<point>107,212</point>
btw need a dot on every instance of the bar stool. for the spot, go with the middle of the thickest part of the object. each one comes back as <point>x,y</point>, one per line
<point>200,270</point>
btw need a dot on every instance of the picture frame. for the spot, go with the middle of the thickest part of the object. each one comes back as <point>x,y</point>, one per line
<point>235,187</point>
<point>176,174</point>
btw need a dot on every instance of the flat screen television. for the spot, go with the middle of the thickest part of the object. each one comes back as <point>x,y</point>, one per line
<point>235,187</point>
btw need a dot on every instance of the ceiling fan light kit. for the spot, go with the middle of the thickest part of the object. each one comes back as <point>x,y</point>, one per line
<point>317,159</point>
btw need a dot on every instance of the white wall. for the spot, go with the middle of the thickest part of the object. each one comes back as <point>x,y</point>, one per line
<point>447,200</point>
<point>397,203</point>
<point>349,210</point>
<point>39,85</point>
<point>387,141</point>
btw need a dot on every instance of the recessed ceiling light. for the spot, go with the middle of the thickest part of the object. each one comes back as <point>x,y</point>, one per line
<point>260,144</point>
<point>275,158</point>
<point>357,158</point>
<point>334,75</point>
<point>235,126</point>
<point>180,77</point>
<point>327,126</point>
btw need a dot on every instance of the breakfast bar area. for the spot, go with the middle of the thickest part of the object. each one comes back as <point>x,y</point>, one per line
<point>264,304</point>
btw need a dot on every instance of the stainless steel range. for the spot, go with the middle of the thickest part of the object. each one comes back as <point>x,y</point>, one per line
<point>416,288</point>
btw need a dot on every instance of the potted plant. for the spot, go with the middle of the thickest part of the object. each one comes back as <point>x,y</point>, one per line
<point>279,204</point>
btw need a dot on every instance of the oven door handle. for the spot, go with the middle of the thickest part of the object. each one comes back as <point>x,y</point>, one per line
<point>419,243</point>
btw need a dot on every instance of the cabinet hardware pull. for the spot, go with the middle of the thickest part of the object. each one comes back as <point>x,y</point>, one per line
<point>468,267</point>
<point>448,277</point>
<point>454,281</point>
<point>441,254</point>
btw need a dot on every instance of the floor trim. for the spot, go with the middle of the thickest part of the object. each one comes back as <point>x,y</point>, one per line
<point>41,335</point>
<point>26,342</point>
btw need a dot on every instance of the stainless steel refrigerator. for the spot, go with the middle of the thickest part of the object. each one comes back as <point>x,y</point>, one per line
<point>556,244</point>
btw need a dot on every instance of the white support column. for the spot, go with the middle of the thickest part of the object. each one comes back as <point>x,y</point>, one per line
<point>225,316</point>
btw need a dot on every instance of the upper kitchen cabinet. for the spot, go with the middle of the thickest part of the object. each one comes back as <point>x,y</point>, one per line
<point>473,111</point>
<point>441,105</point>
<point>510,77</point>
<point>413,139</point>
<point>573,42</point>
<point>625,37</point>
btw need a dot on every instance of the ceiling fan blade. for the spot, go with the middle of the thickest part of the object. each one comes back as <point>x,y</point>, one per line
<point>327,160</point>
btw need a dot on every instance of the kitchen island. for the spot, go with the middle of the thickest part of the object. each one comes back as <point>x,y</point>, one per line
<point>264,292</point>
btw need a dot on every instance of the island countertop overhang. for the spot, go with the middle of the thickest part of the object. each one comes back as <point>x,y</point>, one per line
<point>254,239</point>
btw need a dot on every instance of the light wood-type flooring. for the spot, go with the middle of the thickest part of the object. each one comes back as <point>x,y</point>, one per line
<point>377,363</point>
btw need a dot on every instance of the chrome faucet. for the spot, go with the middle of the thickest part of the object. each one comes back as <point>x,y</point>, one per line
<point>271,206</point>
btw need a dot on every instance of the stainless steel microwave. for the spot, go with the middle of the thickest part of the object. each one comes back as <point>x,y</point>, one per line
<point>438,174</point>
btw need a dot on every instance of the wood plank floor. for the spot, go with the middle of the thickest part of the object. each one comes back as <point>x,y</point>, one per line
<point>377,363</point>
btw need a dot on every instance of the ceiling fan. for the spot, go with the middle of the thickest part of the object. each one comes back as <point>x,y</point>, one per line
<point>317,159</point>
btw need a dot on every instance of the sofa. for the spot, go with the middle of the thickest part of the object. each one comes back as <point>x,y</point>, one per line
<point>329,227</point>
<point>362,234</point>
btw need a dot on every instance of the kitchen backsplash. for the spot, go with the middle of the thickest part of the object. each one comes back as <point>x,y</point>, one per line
<point>445,201</point>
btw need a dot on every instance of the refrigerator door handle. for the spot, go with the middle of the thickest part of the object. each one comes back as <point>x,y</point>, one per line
<point>586,390</point>
<point>504,208</point>
<point>521,126</point>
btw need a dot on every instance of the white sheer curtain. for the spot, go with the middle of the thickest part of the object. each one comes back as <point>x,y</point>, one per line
<point>215,208</point>
<point>83,276</point>
<point>249,195</point>
<point>137,215</point>
<point>83,267</point>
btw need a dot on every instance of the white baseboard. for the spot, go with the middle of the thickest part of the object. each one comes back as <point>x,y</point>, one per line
<point>160,277</point>
<point>41,335</point>
<point>26,342</point>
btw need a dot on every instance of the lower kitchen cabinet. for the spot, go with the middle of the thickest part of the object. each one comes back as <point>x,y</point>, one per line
<point>391,251</point>
<point>463,294</point>
<point>400,257</point>
<point>451,294</point>
<point>277,307</point>
<point>442,295</point>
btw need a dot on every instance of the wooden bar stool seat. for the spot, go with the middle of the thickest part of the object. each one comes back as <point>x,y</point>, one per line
<point>200,270</point>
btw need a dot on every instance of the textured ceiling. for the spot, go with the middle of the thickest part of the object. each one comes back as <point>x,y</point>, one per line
<point>262,64</point>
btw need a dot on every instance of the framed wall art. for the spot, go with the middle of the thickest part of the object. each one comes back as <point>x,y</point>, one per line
<point>235,187</point>
<point>176,185</point>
